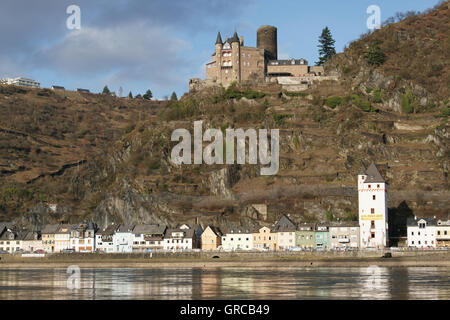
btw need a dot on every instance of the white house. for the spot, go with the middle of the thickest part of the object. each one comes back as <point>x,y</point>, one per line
<point>24,82</point>
<point>285,230</point>
<point>123,239</point>
<point>104,239</point>
<point>421,232</point>
<point>237,239</point>
<point>148,237</point>
<point>373,208</point>
<point>180,239</point>
<point>62,237</point>
<point>82,237</point>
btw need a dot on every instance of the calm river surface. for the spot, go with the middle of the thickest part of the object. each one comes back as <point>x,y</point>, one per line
<point>229,283</point>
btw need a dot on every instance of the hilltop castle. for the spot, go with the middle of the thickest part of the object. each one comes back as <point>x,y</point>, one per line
<point>232,61</point>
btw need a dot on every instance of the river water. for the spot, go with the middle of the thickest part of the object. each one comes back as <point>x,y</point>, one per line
<point>228,283</point>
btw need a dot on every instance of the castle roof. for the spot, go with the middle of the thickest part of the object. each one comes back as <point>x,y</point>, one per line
<point>235,37</point>
<point>373,175</point>
<point>219,38</point>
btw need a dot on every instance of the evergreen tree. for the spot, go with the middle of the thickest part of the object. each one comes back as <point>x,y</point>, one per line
<point>326,46</point>
<point>375,56</point>
<point>174,97</point>
<point>106,90</point>
<point>130,95</point>
<point>148,95</point>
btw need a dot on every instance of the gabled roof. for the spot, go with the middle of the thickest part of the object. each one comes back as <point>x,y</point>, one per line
<point>215,230</point>
<point>109,230</point>
<point>125,228</point>
<point>235,37</point>
<point>373,175</point>
<point>238,230</point>
<point>284,224</point>
<point>50,228</point>
<point>188,233</point>
<point>64,228</point>
<point>149,229</point>
<point>413,222</point>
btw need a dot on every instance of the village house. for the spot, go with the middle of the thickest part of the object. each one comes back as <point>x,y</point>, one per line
<point>62,237</point>
<point>148,237</point>
<point>31,241</point>
<point>235,239</point>
<point>48,237</point>
<point>344,234</point>
<point>285,230</point>
<point>264,239</point>
<point>104,239</point>
<point>322,237</point>
<point>180,239</point>
<point>82,237</point>
<point>211,238</point>
<point>304,236</point>
<point>123,239</point>
<point>443,234</point>
<point>10,241</point>
<point>421,232</point>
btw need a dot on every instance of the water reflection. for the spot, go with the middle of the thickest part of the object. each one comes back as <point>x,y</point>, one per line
<point>230,283</point>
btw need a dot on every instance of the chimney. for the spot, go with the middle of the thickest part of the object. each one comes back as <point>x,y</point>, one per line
<point>242,41</point>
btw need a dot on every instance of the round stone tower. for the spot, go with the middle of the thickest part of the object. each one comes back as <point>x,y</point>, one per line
<point>267,39</point>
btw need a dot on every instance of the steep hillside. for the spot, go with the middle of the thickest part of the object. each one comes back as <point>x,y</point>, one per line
<point>108,159</point>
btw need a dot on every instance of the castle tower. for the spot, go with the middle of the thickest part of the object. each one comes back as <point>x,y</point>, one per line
<point>373,208</point>
<point>236,57</point>
<point>267,39</point>
<point>219,47</point>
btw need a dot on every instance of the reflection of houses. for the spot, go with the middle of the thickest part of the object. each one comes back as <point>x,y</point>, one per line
<point>443,233</point>
<point>285,230</point>
<point>148,237</point>
<point>104,239</point>
<point>304,236</point>
<point>344,234</point>
<point>421,232</point>
<point>237,238</point>
<point>322,236</point>
<point>180,239</point>
<point>82,237</point>
<point>264,239</point>
<point>123,239</point>
<point>211,238</point>
<point>48,237</point>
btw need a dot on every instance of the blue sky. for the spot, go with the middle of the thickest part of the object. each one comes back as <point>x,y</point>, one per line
<point>157,44</point>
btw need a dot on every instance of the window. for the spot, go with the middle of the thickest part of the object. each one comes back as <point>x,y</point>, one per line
<point>372,210</point>
<point>378,186</point>
<point>369,186</point>
<point>372,235</point>
<point>374,197</point>
<point>439,233</point>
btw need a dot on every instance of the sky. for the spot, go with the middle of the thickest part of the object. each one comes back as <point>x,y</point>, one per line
<point>160,44</point>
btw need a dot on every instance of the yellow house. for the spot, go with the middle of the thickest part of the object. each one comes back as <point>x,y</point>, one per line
<point>264,239</point>
<point>211,238</point>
